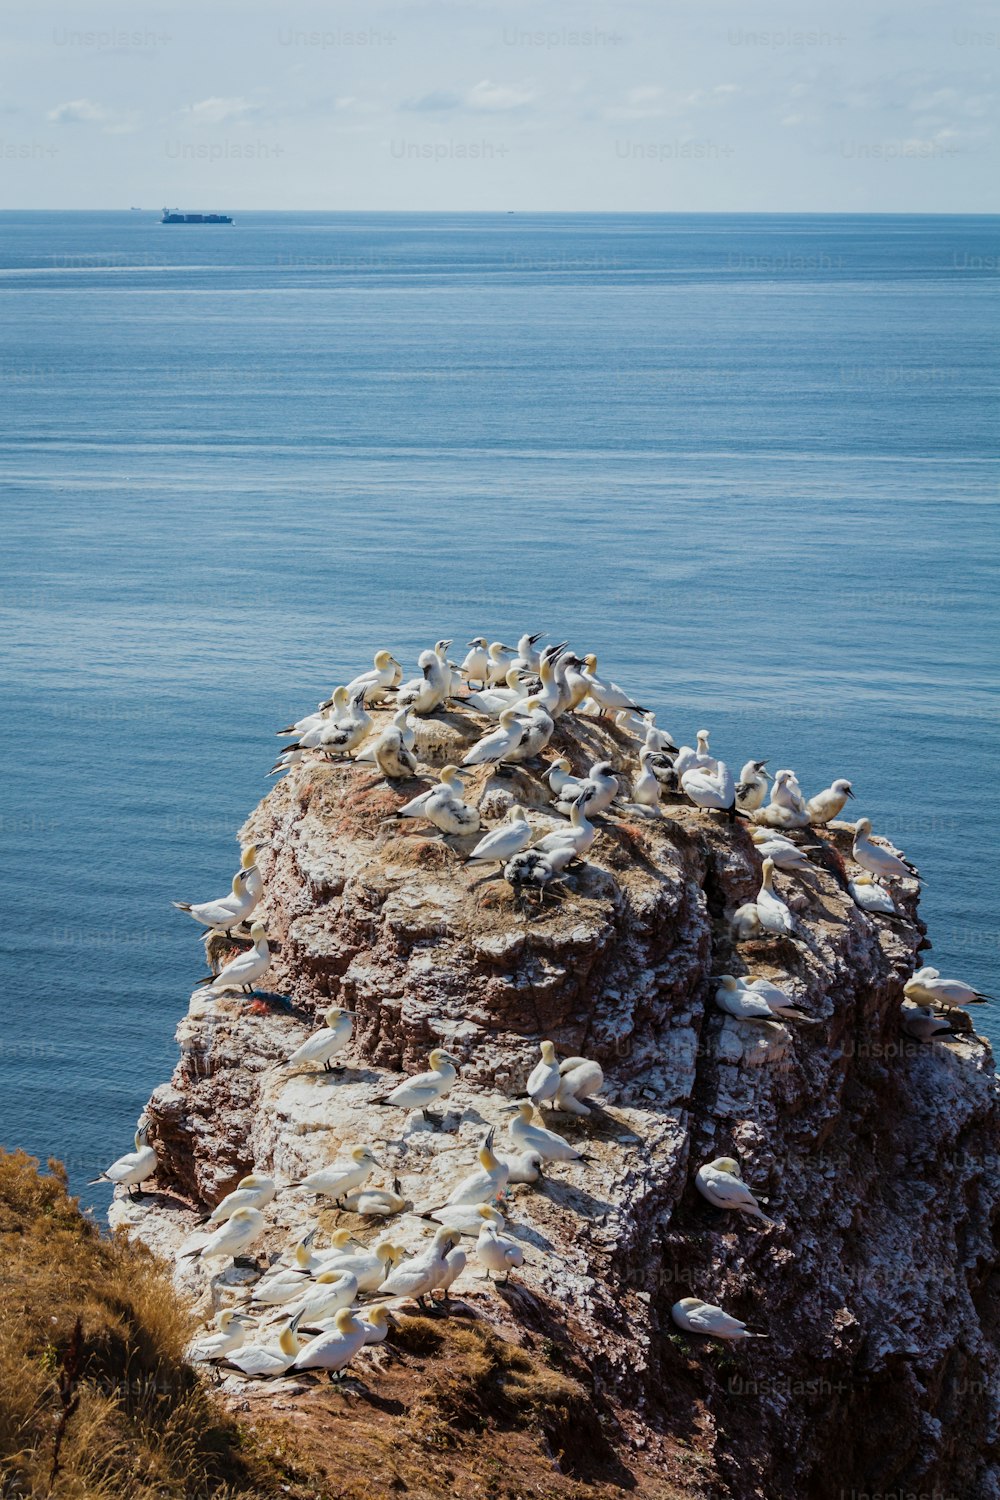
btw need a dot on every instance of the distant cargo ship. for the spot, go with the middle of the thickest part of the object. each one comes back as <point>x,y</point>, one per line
<point>171,216</point>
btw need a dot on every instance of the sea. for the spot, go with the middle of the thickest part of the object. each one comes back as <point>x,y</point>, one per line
<point>751,461</point>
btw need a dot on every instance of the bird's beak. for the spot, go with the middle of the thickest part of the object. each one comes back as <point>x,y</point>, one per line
<point>538,637</point>
<point>472,643</point>
<point>849,792</point>
<point>508,1109</point>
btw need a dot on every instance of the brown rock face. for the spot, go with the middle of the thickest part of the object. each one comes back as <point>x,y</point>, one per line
<point>877,1154</point>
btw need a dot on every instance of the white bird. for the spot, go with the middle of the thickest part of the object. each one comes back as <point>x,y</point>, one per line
<point>392,752</point>
<point>385,675</point>
<point>484,1183</point>
<point>501,660</point>
<point>325,1043</point>
<point>525,1167</point>
<point>238,1233</point>
<point>255,880</point>
<point>342,1177</point>
<point>926,987</point>
<point>374,1203</point>
<point>334,1348</point>
<point>775,916</point>
<point>866,893</point>
<point>258,1360</point>
<point>377,1321</point>
<point>563,784</point>
<point>782,853</point>
<point>544,1078</point>
<point>579,1079</point>
<point>455,1262</point>
<point>369,1268</point>
<point>228,912</point>
<point>711,790</point>
<point>604,692</point>
<point>421,1273</point>
<point>230,1334</point>
<point>447,810</point>
<point>719,1181</point>
<point>737,998</point>
<point>423,694</point>
<point>501,843</point>
<point>601,788</point>
<point>646,787</point>
<point>877,860</point>
<point>688,759</point>
<point>494,747</point>
<point>658,740</point>
<point>493,701</point>
<point>243,971</point>
<point>250,1192</point>
<point>920,1022</point>
<point>829,804</point>
<point>476,666</point>
<point>131,1170</point>
<point>450,777</point>
<point>528,1137</point>
<point>538,730</point>
<point>528,659</point>
<point>780,1002</point>
<point>786,792</point>
<point>751,789</point>
<point>332,1289</point>
<point>466,1217</point>
<point>579,834</point>
<point>349,731</point>
<point>696,1316</point>
<point>424,1089</point>
<point>283,1284</point>
<point>496,1252</point>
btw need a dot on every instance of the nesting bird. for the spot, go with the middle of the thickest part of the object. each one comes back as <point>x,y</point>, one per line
<point>720,1182</point>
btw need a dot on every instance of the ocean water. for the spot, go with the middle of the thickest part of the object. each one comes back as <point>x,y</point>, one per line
<point>750,461</point>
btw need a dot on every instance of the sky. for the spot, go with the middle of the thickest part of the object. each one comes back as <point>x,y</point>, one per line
<point>488,105</point>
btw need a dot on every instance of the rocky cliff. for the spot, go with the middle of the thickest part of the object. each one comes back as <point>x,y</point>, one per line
<point>877,1155</point>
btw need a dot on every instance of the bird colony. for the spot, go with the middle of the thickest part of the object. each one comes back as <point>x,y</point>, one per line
<point>315,1308</point>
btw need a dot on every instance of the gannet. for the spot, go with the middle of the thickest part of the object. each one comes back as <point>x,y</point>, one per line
<point>527,658</point>
<point>483,1184</point>
<point>349,731</point>
<point>283,1284</point>
<point>573,685</point>
<point>580,833</point>
<point>774,815</point>
<point>604,692</point>
<point>601,787</point>
<point>496,1252</point>
<point>330,708</point>
<point>782,853</point>
<point>424,1089</point>
<point>711,790</point>
<point>368,1267</point>
<point>780,1002</point>
<point>257,1360</point>
<point>248,863</point>
<point>920,1022</point>
<point>375,1203</point>
<point>662,767</point>
<point>774,915</point>
<point>866,892</point>
<point>336,704</point>
<point>449,776</point>
<point>658,740</point>
<point>552,695</point>
<point>423,694</point>
<point>501,660</point>
<point>241,1229</point>
<point>466,1217</point>
<point>494,747</point>
<point>579,1079</point>
<point>926,987</point>
<point>538,730</point>
<point>737,998</point>
<point>559,779</point>
<point>687,759</point>
<point>528,1137</point>
<point>873,857</point>
<point>646,787</point>
<point>131,1170</point>
<point>325,1043</point>
<point>228,912</point>
<point>421,1273</point>
<point>829,804</point>
<point>525,1167</point>
<point>446,809</point>
<point>751,789</point>
<point>543,1080</point>
<point>333,1349</point>
<point>376,684</point>
<point>255,1191</point>
<point>332,1289</point>
<point>786,792</point>
<point>230,1335</point>
<point>719,1181</point>
<point>243,971</point>
<point>696,1316</point>
<point>391,751</point>
<point>497,846</point>
<point>377,1321</point>
<point>476,666</point>
<point>493,701</point>
<point>454,1264</point>
<point>342,1177</point>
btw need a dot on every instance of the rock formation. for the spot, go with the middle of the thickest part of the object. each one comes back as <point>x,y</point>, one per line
<point>876,1154</point>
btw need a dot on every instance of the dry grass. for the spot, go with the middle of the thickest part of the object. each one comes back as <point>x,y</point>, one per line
<point>96,1400</point>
